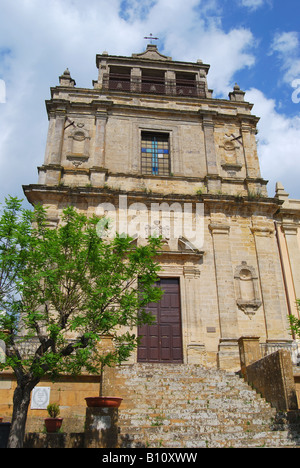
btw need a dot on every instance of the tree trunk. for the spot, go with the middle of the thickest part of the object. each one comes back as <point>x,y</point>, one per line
<point>21,402</point>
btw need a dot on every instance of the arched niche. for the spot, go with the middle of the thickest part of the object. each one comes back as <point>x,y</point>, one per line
<point>247,289</point>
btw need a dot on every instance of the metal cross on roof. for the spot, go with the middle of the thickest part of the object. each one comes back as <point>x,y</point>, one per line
<point>151,38</point>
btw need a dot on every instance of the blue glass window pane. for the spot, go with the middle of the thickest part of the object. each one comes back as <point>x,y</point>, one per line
<point>155,153</point>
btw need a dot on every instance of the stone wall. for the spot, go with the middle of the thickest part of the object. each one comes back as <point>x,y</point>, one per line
<point>272,376</point>
<point>68,392</point>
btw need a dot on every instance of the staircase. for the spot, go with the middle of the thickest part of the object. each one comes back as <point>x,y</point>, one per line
<point>187,406</point>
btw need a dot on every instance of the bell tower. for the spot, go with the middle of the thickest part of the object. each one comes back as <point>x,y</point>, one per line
<point>150,146</point>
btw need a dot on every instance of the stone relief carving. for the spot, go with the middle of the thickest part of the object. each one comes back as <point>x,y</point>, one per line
<point>230,161</point>
<point>78,145</point>
<point>247,289</point>
<point>157,229</point>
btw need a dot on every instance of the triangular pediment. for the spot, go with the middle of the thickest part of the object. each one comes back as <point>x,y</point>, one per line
<point>152,53</point>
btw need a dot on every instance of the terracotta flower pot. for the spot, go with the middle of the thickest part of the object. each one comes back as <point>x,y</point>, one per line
<point>53,424</point>
<point>107,402</point>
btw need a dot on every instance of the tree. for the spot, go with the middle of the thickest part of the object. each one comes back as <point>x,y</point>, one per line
<point>67,282</point>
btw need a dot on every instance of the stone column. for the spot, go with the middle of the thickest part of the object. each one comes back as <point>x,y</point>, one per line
<point>228,348</point>
<point>213,179</point>
<point>136,80</point>
<point>170,80</point>
<point>272,288</point>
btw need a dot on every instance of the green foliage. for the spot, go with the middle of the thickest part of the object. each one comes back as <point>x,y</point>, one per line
<point>295,323</point>
<point>53,410</point>
<point>57,284</point>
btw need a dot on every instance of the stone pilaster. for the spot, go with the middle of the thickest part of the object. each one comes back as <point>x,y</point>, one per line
<point>195,347</point>
<point>213,179</point>
<point>51,172</point>
<point>250,153</point>
<point>271,282</point>
<point>99,149</point>
<point>291,232</point>
<point>228,355</point>
<point>57,137</point>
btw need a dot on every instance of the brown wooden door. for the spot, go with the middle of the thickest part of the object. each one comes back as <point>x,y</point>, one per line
<point>162,340</point>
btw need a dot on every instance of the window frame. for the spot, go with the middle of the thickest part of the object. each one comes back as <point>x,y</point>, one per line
<point>155,153</point>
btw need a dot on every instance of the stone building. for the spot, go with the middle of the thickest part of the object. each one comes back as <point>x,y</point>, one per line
<point>149,146</point>
<point>287,222</point>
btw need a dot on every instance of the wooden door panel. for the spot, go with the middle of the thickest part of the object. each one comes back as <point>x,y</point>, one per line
<point>162,341</point>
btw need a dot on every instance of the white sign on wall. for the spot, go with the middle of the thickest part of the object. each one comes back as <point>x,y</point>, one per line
<point>40,397</point>
<point>2,351</point>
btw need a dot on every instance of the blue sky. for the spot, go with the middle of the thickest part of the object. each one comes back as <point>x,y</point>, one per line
<point>255,43</point>
<point>269,24</point>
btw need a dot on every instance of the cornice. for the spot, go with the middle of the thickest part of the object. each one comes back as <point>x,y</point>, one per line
<point>230,202</point>
<point>106,100</point>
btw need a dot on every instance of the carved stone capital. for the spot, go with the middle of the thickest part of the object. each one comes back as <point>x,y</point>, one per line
<point>219,228</point>
<point>290,229</point>
<point>263,231</point>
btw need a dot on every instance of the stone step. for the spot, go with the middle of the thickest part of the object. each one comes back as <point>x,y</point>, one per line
<point>179,438</point>
<point>189,406</point>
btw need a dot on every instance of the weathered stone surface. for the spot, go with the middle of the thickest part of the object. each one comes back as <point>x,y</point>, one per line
<point>273,377</point>
<point>93,161</point>
<point>190,406</point>
<point>101,428</point>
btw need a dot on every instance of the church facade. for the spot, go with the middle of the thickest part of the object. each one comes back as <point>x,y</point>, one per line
<point>151,148</point>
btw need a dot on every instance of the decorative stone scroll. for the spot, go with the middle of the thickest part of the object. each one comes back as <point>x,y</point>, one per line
<point>247,289</point>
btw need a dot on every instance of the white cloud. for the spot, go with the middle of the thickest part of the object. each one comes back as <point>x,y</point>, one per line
<point>253,4</point>
<point>286,42</point>
<point>227,54</point>
<point>48,37</point>
<point>286,45</point>
<point>195,32</point>
<point>278,144</point>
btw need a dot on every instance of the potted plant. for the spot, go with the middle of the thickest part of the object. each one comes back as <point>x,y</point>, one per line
<point>53,423</point>
<point>103,401</point>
